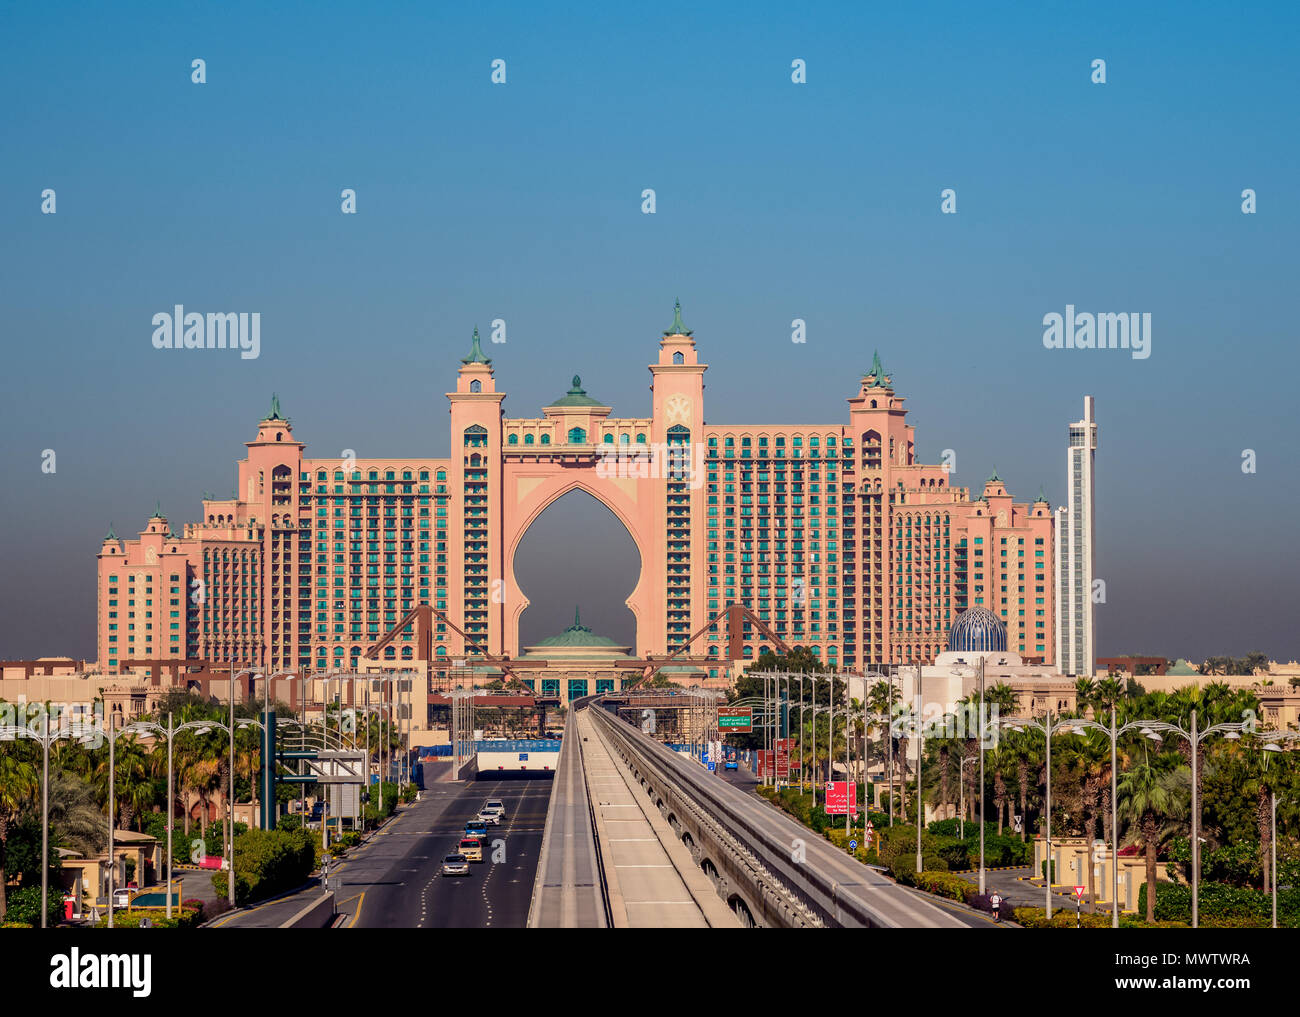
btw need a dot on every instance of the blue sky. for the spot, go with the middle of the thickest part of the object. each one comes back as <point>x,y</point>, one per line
<point>775,201</point>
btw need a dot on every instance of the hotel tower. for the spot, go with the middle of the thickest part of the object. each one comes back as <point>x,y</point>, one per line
<point>1077,651</point>
<point>836,535</point>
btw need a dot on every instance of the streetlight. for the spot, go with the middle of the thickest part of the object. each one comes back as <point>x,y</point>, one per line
<point>230,804</point>
<point>10,731</point>
<point>169,733</point>
<point>1079,726</point>
<point>979,670</point>
<point>1231,732</point>
<point>1048,728</point>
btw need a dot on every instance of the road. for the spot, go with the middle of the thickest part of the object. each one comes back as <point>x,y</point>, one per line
<point>395,880</point>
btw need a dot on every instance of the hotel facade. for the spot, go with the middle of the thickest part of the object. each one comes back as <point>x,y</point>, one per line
<point>836,535</point>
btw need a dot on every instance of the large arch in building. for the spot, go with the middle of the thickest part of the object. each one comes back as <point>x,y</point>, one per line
<point>531,488</point>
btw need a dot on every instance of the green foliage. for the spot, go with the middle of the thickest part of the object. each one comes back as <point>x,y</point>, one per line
<point>1070,918</point>
<point>1221,901</point>
<point>268,862</point>
<point>25,905</point>
<point>182,918</point>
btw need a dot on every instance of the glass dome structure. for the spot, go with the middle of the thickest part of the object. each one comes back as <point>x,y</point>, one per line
<point>977,631</point>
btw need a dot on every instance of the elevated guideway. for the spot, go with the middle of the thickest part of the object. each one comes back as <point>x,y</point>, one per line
<point>569,891</point>
<point>770,870</point>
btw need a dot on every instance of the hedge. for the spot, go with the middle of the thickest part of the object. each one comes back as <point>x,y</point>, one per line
<point>268,862</point>
<point>182,918</point>
<point>1222,901</point>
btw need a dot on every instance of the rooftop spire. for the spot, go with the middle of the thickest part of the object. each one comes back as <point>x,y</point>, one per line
<point>677,328</point>
<point>1041,496</point>
<point>993,477</point>
<point>157,511</point>
<point>876,377</point>
<point>476,352</point>
<point>111,535</point>
<point>275,408</point>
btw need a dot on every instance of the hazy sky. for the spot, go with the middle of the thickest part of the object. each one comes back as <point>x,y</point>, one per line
<point>775,201</point>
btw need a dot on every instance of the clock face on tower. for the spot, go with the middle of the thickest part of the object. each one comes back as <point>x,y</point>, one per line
<point>678,408</point>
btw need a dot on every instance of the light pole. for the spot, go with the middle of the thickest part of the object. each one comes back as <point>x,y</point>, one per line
<point>10,731</point>
<point>1079,726</point>
<point>230,805</point>
<point>920,735</point>
<point>1048,729</point>
<point>1194,737</point>
<point>169,733</point>
<point>981,728</point>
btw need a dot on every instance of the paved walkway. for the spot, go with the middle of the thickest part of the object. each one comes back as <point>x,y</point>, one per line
<point>1021,891</point>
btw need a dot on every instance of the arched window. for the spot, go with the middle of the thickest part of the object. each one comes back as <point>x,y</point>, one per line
<point>278,436</point>
<point>528,439</point>
<point>678,358</point>
<point>640,439</point>
<point>577,436</point>
<point>475,436</point>
<point>513,440</point>
<point>476,386</point>
<point>546,439</point>
<point>679,435</point>
<point>609,439</point>
<point>623,439</point>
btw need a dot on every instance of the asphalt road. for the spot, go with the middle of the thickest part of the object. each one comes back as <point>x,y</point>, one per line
<point>395,881</point>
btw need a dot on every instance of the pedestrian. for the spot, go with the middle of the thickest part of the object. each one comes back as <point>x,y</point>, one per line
<point>996,903</point>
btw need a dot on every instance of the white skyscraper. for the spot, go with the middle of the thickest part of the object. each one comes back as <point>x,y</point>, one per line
<point>1076,648</point>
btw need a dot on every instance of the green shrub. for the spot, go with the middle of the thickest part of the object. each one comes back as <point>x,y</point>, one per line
<point>1221,901</point>
<point>268,862</point>
<point>24,906</point>
<point>183,918</point>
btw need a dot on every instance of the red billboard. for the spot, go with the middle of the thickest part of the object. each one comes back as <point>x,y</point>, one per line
<point>783,758</point>
<point>841,797</point>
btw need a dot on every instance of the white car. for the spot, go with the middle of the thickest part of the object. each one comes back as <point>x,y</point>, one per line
<point>490,818</point>
<point>495,805</point>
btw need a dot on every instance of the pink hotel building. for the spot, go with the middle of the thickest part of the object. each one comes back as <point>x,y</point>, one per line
<point>834,534</point>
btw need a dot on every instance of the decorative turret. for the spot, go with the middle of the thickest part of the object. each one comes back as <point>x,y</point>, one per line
<point>275,409</point>
<point>110,535</point>
<point>157,511</point>
<point>1042,498</point>
<point>476,352</point>
<point>577,396</point>
<point>876,377</point>
<point>677,328</point>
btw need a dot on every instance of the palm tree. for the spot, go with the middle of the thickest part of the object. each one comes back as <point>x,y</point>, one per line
<point>76,817</point>
<point>1085,692</point>
<point>18,784</point>
<point>1153,801</point>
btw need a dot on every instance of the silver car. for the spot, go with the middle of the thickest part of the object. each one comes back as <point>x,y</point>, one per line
<point>455,865</point>
<point>495,805</point>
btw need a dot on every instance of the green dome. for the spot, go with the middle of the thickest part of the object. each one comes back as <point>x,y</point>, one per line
<point>577,634</point>
<point>577,396</point>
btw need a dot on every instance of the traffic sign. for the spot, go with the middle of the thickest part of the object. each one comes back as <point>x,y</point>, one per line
<point>853,845</point>
<point>841,797</point>
<point>1079,891</point>
<point>735,719</point>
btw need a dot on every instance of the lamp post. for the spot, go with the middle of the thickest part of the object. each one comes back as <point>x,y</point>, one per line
<point>1079,726</point>
<point>1048,729</point>
<point>230,805</point>
<point>169,733</point>
<point>10,731</point>
<point>981,728</point>
<point>1231,732</point>
<point>812,696</point>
